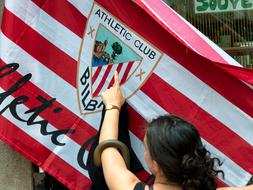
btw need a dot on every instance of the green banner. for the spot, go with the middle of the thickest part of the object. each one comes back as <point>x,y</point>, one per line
<point>207,6</point>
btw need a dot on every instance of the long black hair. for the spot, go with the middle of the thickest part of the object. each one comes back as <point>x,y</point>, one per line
<point>177,148</point>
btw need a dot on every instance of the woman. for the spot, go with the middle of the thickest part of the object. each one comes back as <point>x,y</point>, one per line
<point>173,152</point>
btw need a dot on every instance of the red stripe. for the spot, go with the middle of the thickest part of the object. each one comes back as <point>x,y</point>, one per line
<point>142,175</point>
<point>210,128</point>
<point>244,74</point>
<point>40,155</point>
<point>83,131</point>
<point>201,67</point>
<point>129,66</point>
<point>102,82</point>
<point>221,183</point>
<point>65,13</point>
<point>137,124</point>
<point>39,48</point>
<point>95,76</point>
<point>119,67</point>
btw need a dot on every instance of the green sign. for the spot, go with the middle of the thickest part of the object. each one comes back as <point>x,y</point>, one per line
<point>207,6</point>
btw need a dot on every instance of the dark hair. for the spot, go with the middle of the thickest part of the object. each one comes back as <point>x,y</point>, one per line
<point>177,148</point>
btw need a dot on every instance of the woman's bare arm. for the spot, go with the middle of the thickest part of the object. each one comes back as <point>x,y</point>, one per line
<point>250,187</point>
<point>116,174</point>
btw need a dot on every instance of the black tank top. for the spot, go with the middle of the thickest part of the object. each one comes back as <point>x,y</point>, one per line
<point>141,186</point>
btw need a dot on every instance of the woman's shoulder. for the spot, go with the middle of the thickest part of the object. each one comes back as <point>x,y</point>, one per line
<point>250,187</point>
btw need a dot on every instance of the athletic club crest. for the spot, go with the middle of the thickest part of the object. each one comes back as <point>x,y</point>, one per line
<point>109,45</point>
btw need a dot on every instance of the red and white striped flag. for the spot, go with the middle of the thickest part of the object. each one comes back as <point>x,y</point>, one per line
<point>56,57</point>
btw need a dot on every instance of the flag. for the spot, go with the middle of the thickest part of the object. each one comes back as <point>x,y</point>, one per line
<point>56,57</point>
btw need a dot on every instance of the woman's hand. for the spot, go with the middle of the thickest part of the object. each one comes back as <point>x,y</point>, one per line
<point>113,95</point>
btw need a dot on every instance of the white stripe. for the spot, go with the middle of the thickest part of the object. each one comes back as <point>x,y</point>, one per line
<point>46,26</point>
<point>148,109</point>
<point>249,85</point>
<point>133,68</point>
<point>122,71</point>
<point>99,78</point>
<point>205,97</point>
<point>34,132</point>
<point>96,82</point>
<point>109,78</point>
<point>83,6</point>
<point>93,71</point>
<point>138,148</point>
<point>234,174</point>
<point>44,78</point>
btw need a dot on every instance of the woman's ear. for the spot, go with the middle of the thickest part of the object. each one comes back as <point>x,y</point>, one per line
<point>155,167</point>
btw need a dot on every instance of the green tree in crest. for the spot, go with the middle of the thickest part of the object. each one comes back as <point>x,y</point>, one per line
<point>117,50</point>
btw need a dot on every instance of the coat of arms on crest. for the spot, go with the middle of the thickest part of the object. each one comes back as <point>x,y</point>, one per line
<point>109,45</point>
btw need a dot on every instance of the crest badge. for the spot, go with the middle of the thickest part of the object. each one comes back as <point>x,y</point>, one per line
<point>108,46</point>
